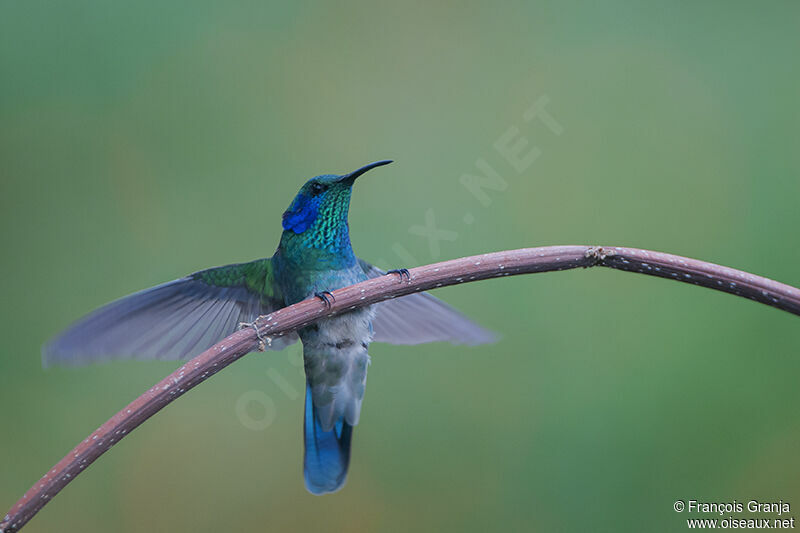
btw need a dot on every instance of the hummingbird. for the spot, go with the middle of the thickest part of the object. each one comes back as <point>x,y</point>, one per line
<point>181,318</point>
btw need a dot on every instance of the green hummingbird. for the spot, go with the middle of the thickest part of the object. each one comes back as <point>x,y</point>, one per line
<point>181,318</point>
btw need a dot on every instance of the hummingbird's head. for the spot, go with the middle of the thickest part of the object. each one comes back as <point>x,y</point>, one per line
<point>321,206</point>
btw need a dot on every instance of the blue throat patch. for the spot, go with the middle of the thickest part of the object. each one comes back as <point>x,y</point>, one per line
<point>301,214</point>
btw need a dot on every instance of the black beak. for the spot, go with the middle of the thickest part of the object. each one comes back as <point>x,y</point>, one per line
<point>350,178</point>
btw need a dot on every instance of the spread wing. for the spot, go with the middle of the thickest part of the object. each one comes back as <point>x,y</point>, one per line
<point>175,320</point>
<point>419,318</point>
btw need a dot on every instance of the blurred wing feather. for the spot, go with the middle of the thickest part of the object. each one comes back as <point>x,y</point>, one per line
<point>419,318</point>
<point>172,321</point>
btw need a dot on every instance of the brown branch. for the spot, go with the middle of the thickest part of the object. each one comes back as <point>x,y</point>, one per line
<point>508,263</point>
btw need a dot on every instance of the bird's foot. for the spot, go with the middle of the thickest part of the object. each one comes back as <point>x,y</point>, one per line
<point>263,340</point>
<point>402,272</point>
<point>327,297</point>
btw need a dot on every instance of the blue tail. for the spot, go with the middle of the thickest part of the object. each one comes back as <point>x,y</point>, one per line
<point>327,453</point>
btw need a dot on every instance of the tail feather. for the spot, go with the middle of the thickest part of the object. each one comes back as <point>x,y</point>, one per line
<point>327,453</point>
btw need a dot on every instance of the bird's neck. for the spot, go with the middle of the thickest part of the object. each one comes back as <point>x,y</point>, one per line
<point>324,245</point>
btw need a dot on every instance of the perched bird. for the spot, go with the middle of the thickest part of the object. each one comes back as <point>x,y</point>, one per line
<point>179,319</point>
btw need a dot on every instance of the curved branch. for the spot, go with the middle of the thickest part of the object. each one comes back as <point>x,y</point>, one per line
<point>498,264</point>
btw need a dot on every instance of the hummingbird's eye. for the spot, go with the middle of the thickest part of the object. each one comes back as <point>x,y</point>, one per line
<point>317,188</point>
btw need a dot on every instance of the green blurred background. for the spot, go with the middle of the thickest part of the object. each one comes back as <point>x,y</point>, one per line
<point>142,141</point>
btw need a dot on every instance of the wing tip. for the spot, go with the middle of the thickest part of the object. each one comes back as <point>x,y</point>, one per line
<point>484,336</point>
<point>54,353</point>
<point>53,356</point>
<point>46,354</point>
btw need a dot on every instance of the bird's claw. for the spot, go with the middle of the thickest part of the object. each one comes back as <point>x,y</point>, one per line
<point>263,341</point>
<point>327,297</point>
<point>402,272</point>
